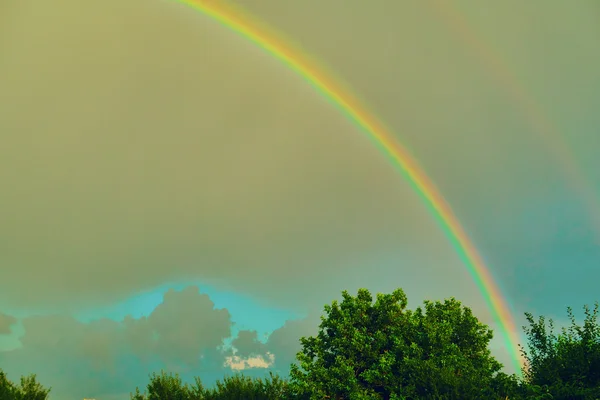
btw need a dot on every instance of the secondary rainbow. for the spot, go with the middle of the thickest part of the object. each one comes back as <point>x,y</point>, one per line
<point>540,123</point>
<point>251,29</point>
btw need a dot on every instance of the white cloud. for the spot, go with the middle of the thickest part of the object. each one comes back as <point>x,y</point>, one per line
<point>238,363</point>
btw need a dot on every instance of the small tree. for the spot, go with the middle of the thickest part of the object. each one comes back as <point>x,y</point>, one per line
<point>383,351</point>
<point>7,388</point>
<point>566,366</point>
<point>240,387</point>
<point>28,389</point>
<point>165,386</point>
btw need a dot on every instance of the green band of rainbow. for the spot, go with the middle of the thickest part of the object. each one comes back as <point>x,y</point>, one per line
<point>243,24</point>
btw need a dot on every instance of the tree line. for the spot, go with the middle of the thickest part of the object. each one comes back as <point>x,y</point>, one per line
<point>369,348</point>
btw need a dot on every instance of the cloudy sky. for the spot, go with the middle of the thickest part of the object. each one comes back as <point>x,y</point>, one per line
<point>174,197</point>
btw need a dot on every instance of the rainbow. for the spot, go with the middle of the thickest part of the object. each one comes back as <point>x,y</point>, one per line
<point>242,23</point>
<point>539,122</point>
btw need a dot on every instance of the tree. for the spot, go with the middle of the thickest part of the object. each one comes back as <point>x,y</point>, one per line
<point>165,386</point>
<point>565,366</point>
<point>7,388</point>
<point>28,389</point>
<point>384,351</point>
<point>240,387</point>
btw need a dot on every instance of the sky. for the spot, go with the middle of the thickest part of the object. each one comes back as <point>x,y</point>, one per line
<point>174,197</point>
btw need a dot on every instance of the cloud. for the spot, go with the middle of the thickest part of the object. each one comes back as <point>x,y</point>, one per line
<point>183,334</point>
<point>6,321</point>
<point>284,342</point>
<point>237,363</point>
<point>186,323</point>
<point>247,352</point>
<point>247,344</point>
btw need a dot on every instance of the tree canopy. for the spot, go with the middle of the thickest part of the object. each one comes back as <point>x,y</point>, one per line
<point>28,389</point>
<point>370,350</point>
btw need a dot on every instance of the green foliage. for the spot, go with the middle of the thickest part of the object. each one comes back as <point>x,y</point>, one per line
<point>566,366</point>
<point>28,389</point>
<point>7,388</point>
<point>165,386</point>
<point>239,387</point>
<point>383,351</point>
<point>380,350</point>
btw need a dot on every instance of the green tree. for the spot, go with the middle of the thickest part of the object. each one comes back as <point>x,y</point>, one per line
<point>7,388</point>
<point>567,365</point>
<point>240,387</point>
<point>165,386</point>
<point>381,350</point>
<point>28,389</point>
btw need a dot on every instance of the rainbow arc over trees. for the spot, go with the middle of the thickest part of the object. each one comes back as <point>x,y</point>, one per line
<point>251,29</point>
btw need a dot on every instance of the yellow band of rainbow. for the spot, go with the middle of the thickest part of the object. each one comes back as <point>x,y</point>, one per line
<point>249,28</point>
